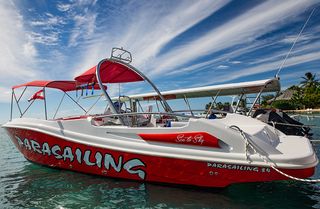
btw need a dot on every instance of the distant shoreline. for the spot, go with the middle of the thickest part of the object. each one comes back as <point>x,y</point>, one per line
<point>304,110</point>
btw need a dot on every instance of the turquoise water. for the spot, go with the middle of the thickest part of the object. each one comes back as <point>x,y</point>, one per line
<point>27,185</point>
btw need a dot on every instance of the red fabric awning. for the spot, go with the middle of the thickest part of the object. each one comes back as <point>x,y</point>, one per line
<point>62,85</point>
<point>111,72</point>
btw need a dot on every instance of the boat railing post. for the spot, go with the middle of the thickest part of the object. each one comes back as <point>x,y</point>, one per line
<point>213,102</point>
<point>188,104</point>
<point>135,109</point>
<point>11,109</point>
<point>155,98</point>
<point>256,99</point>
<point>140,106</point>
<point>17,102</point>
<point>238,103</point>
<point>45,103</point>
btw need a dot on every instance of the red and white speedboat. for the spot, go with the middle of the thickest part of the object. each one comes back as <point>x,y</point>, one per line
<point>133,145</point>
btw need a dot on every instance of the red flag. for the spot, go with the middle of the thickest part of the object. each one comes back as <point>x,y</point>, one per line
<point>37,95</point>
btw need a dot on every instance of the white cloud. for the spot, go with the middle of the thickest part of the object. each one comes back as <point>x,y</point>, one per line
<point>223,67</point>
<point>84,2</point>
<point>221,58</point>
<point>63,7</point>
<point>144,28</point>
<point>281,54</point>
<point>146,41</point>
<point>48,21</point>
<point>84,28</point>
<point>270,66</point>
<point>17,53</point>
<point>291,38</point>
<point>245,28</point>
<point>236,62</point>
<point>48,38</point>
<point>29,50</point>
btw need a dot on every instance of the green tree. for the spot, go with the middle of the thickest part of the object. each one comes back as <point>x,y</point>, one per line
<point>309,80</point>
<point>307,95</point>
<point>297,97</point>
<point>265,99</point>
<point>208,106</point>
<point>283,105</point>
<point>219,106</point>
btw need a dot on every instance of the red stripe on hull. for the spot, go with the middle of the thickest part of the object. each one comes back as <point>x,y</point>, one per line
<point>57,152</point>
<point>186,138</point>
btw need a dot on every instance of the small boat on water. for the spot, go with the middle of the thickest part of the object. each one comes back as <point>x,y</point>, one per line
<point>132,145</point>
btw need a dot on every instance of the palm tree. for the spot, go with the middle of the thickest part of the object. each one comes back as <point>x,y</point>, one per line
<point>309,80</point>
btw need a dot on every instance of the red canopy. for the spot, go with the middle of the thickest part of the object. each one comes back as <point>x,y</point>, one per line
<point>62,85</point>
<point>111,71</point>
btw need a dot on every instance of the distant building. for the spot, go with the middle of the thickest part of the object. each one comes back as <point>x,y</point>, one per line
<point>284,95</point>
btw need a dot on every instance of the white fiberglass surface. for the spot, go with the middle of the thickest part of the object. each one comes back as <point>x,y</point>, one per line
<point>81,131</point>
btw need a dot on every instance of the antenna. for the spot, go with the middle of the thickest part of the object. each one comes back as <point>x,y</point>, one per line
<point>285,59</point>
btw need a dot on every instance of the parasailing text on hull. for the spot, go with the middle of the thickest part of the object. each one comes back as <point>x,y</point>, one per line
<point>104,161</point>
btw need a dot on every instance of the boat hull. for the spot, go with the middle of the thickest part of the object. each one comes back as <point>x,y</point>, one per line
<point>58,152</point>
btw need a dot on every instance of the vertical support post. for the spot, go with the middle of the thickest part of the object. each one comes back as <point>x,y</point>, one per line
<point>238,103</point>
<point>134,106</point>
<point>256,99</point>
<point>155,98</point>
<point>135,109</point>
<point>188,104</point>
<point>139,106</point>
<point>45,103</point>
<point>17,102</point>
<point>11,105</point>
<point>213,102</point>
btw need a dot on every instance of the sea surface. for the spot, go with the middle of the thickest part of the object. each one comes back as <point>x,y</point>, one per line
<point>27,185</point>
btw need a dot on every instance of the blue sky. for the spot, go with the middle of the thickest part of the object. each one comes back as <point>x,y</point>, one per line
<point>178,44</point>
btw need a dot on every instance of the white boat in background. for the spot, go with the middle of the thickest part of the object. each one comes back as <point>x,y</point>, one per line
<point>196,151</point>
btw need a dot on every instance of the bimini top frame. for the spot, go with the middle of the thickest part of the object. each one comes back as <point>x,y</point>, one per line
<point>64,86</point>
<point>252,87</point>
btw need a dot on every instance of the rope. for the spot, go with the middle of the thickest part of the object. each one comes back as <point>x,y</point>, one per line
<point>267,160</point>
<point>285,59</point>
